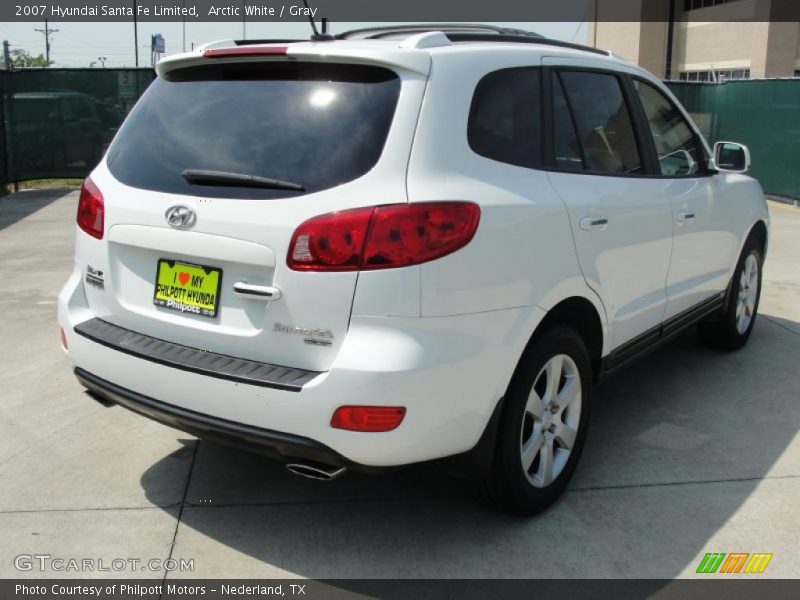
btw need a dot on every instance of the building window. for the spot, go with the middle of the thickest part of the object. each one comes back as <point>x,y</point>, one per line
<point>797,73</point>
<point>715,75</point>
<point>695,4</point>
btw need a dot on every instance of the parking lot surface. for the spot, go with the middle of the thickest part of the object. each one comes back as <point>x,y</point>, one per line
<point>689,451</point>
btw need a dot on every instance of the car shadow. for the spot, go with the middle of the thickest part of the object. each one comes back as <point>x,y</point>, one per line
<point>674,451</point>
<point>17,206</point>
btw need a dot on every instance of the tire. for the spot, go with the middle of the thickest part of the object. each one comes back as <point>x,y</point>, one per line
<point>527,490</point>
<point>732,331</point>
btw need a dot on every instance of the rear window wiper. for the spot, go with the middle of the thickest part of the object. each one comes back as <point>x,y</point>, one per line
<point>224,178</point>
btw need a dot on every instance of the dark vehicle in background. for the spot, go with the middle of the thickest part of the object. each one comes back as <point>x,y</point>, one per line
<point>55,132</point>
<point>111,116</point>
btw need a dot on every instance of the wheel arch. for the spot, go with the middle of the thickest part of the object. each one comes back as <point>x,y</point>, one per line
<point>581,314</point>
<point>759,232</point>
<point>586,316</point>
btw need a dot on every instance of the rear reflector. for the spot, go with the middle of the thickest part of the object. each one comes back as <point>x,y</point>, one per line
<point>368,418</point>
<point>63,339</point>
<point>245,51</point>
<point>91,209</point>
<point>382,237</point>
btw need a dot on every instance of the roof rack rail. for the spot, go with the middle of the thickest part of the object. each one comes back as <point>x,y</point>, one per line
<point>501,37</point>
<point>454,33</point>
<point>465,33</point>
<point>428,39</point>
<point>375,33</point>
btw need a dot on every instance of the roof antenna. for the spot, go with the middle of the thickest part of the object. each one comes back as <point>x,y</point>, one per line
<point>317,36</point>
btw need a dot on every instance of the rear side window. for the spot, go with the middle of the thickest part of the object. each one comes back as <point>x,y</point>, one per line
<point>505,117</point>
<point>602,122</point>
<point>316,125</point>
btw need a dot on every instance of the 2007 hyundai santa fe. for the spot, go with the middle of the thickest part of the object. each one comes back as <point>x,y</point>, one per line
<point>402,245</point>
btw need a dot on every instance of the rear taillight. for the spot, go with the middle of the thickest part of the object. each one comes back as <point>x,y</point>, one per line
<point>382,237</point>
<point>368,418</point>
<point>91,210</point>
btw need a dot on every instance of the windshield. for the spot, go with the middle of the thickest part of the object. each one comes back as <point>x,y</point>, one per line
<point>315,124</point>
<point>35,110</point>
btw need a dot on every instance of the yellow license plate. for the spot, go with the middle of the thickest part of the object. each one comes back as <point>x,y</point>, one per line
<point>187,288</point>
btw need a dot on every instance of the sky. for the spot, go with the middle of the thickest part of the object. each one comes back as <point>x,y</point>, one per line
<point>80,44</point>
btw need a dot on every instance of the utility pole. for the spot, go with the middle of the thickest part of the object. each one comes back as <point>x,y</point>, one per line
<point>135,34</point>
<point>6,55</point>
<point>47,33</point>
<point>184,26</point>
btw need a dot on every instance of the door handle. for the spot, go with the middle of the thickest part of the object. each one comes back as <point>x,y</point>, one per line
<point>256,292</point>
<point>685,216</point>
<point>586,223</point>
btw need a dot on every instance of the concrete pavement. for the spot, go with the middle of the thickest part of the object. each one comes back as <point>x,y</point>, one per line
<point>690,451</point>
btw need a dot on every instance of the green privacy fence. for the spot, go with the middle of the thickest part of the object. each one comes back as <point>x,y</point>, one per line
<point>764,114</point>
<point>57,122</point>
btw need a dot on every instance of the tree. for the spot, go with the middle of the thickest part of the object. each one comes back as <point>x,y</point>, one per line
<point>22,58</point>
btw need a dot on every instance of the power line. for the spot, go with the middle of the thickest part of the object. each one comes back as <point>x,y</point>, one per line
<point>89,54</point>
<point>74,41</point>
<point>77,49</point>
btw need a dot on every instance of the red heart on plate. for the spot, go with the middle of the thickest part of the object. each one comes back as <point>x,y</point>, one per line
<point>183,278</point>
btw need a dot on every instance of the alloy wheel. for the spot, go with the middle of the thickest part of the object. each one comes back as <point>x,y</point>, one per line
<point>748,293</point>
<point>550,423</point>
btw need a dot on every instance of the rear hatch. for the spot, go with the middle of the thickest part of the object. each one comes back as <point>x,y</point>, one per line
<point>341,132</point>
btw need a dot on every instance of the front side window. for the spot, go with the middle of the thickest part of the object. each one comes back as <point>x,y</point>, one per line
<point>505,117</point>
<point>676,143</point>
<point>602,121</point>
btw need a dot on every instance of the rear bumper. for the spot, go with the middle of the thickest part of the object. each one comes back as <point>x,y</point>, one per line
<point>449,373</point>
<point>201,362</point>
<point>275,444</point>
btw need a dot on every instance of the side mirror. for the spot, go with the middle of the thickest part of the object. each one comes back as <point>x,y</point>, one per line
<point>733,157</point>
<point>679,162</point>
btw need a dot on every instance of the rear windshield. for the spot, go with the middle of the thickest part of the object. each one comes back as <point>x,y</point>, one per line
<point>311,124</point>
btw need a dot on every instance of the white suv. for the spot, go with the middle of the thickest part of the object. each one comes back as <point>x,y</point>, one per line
<point>404,245</point>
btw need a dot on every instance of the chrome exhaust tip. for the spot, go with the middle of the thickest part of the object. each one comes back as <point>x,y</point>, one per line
<point>316,471</point>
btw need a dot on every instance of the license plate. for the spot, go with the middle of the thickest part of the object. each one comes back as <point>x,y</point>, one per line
<point>187,288</point>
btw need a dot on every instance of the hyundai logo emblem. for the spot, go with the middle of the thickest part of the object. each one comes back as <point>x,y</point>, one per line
<point>180,217</point>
